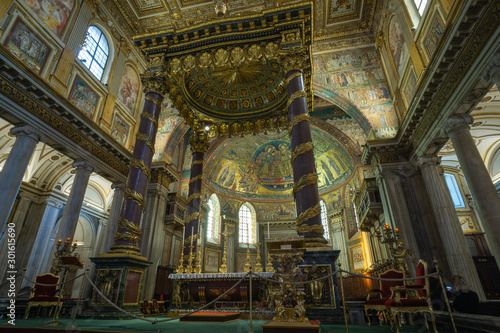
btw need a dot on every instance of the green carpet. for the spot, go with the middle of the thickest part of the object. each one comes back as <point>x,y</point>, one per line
<point>174,326</point>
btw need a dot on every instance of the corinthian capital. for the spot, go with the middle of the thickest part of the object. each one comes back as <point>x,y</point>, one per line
<point>29,131</point>
<point>456,122</point>
<point>154,82</point>
<point>294,60</point>
<point>199,142</point>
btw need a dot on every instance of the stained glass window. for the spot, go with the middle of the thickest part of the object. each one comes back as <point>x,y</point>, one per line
<point>324,220</point>
<point>95,51</point>
<point>213,219</point>
<point>247,227</point>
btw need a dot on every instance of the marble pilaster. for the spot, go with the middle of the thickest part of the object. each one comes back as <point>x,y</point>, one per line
<point>69,220</point>
<point>478,178</point>
<point>15,167</point>
<point>457,254</point>
<point>153,234</point>
<point>114,212</point>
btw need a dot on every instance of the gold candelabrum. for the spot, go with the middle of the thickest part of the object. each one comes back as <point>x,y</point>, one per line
<point>395,244</point>
<point>189,268</point>
<point>180,268</point>
<point>248,265</point>
<point>258,265</point>
<point>62,250</point>
<point>198,261</point>
<point>269,266</point>
<point>223,266</point>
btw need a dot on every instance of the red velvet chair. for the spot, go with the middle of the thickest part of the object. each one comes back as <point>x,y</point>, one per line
<point>419,300</point>
<point>385,293</point>
<point>44,296</point>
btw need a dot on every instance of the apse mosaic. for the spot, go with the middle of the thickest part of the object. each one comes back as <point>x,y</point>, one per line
<point>54,13</point>
<point>358,76</point>
<point>258,167</point>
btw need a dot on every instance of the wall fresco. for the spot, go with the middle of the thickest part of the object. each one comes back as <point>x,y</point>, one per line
<point>119,130</point>
<point>129,88</point>
<point>84,98</point>
<point>433,35</point>
<point>27,46</point>
<point>358,76</point>
<point>54,13</point>
<point>397,45</point>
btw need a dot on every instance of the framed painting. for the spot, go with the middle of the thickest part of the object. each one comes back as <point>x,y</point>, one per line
<point>54,13</point>
<point>83,97</point>
<point>357,257</point>
<point>212,260</point>
<point>119,130</point>
<point>129,88</point>
<point>410,86</point>
<point>25,45</point>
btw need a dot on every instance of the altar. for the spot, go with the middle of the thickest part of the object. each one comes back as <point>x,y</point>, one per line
<point>196,290</point>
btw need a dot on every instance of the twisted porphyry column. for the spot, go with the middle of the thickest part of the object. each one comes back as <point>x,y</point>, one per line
<point>199,145</point>
<point>305,187</point>
<point>129,232</point>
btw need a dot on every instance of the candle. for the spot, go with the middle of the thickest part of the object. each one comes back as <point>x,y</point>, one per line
<point>268,233</point>
<point>60,241</point>
<point>192,235</point>
<point>183,235</point>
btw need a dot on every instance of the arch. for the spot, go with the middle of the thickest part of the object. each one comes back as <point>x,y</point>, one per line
<point>213,219</point>
<point>492,161</point>
<point>90,48</point>
<point>323,91</point>
<point>324,220</point>
<point>247,224</point>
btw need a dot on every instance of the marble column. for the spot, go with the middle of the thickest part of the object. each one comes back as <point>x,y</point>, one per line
<point>69,220</point>
<point>478,179</point>
<point>199,145</point>
<point>15,167</point>
<point>114,213</point>
<point>153,234</point>
<point>397,209</point>
<point>129,231</point>
<point>305,177</point>
<point>457,254</point>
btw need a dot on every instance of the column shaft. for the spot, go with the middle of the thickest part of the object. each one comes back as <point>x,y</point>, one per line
<point>199,145</point>
<point>15,167</point>
<point>304,169</point>
<point>69,220</point>
<point>478,179</point>
<point>458,256</point>
<point>129,231</point>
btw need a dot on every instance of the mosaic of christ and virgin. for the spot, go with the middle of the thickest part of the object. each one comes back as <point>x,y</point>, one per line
<point>259,166</point>
<point>358,76</point>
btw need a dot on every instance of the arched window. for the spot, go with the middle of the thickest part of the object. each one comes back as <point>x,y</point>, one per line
<point>456,196</point>
<point>213,219</point>
<point>247,225</point>
<point>324,221</point>
<point>416,9</point>
<point>95,51</point>
<point>420,6</point>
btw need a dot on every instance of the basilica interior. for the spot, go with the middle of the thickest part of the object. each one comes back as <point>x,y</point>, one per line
<point>166,142</point>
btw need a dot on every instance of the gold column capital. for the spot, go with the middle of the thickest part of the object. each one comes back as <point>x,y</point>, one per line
<point>296,59</point>
<point>154,82</point>
<point>199,142</point>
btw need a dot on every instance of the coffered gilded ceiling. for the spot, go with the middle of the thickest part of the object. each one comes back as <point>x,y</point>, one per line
<point>337,23</point>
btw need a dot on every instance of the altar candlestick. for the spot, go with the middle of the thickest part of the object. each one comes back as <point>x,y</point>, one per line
<point>192,235</point>
<point>268,233</point>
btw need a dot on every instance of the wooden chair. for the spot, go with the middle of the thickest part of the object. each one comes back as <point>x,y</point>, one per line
<point>155,308</point>
<point>145,308</point>
<point>385,293</point>
<point>44,296</point>
<point>420,301</point>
